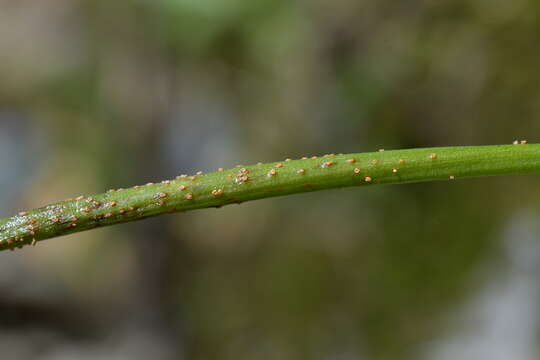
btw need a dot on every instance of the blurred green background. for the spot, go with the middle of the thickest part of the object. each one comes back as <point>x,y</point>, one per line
<point>99,94</point>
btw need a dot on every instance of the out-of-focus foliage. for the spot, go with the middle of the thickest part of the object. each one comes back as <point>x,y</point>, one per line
<point>98,94</point>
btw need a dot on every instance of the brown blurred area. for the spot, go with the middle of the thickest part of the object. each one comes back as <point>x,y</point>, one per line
<point>106,94</point>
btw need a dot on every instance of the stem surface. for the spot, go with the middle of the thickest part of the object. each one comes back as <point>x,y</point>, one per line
<point>245,183</point>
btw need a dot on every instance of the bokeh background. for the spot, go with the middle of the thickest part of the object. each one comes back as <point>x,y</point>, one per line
<point>99,94</point>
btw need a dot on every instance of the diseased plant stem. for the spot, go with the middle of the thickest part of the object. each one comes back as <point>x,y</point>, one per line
<point>259,181</point>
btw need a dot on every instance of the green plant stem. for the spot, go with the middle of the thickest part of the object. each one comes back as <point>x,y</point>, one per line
<point>259,181</point>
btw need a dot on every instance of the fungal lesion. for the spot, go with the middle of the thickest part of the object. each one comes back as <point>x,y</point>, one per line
<point>26,237</point>
<point>217,192</point>
<point>327,164</point>
<point>242,176</point>
<point>241,179</point>
<point>271,173</point>
<point>160,195</point>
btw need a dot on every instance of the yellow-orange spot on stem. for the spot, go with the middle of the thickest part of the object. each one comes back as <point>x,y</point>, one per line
<point>327,164</point>
<point>217,192</point>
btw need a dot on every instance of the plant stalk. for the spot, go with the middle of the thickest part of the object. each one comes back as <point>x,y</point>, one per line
<point>245,183</point>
